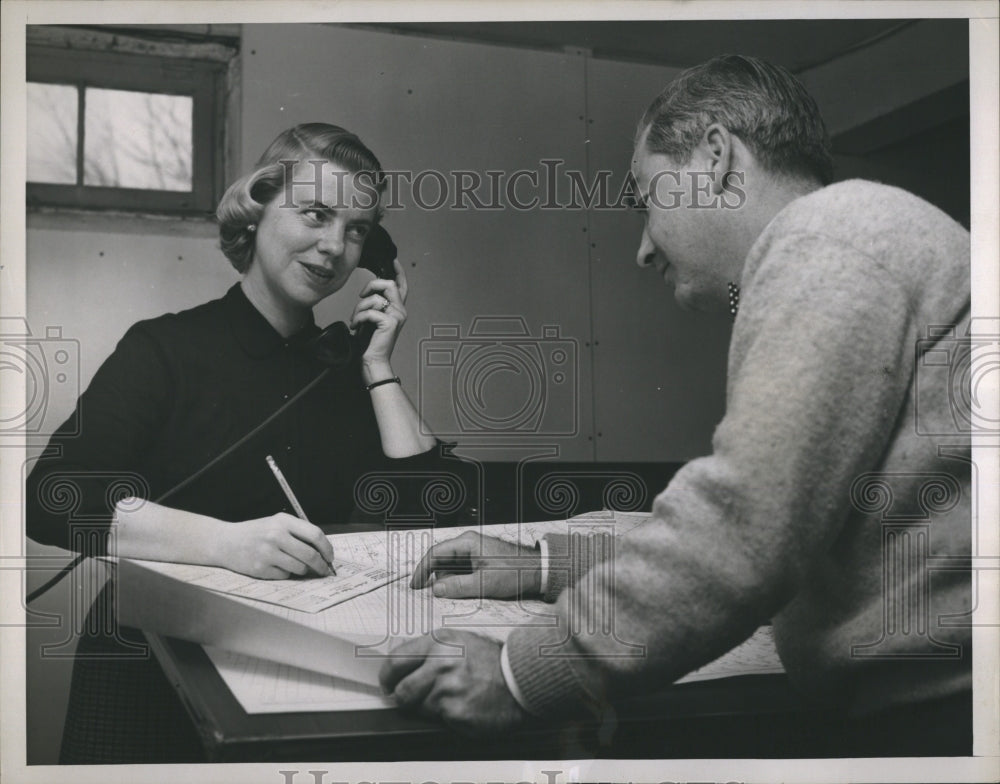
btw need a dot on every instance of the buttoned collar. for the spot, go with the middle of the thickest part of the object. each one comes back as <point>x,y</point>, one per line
<point>254,332</point>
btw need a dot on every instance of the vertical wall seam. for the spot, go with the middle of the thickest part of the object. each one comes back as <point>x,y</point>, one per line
<point>590,257</point>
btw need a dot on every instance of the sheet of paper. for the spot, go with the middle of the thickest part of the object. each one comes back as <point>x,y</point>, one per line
<point>158,603</point>
<point>755,656</point>
<point>268,687</point>
<point>262,686</point>
<point>306,594</point>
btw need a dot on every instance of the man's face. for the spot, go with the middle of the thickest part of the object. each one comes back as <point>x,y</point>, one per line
<point>680,234</point>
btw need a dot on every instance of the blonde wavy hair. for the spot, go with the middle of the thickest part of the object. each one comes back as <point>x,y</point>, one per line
<point>244,201</point>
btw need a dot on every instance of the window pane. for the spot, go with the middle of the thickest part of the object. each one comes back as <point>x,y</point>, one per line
<point>51,133</point>
<point>137,140</point>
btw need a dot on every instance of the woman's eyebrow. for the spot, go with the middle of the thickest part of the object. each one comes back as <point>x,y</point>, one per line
<point>333,210</point>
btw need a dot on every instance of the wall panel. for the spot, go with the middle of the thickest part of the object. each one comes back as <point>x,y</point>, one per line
<point>659,372</point>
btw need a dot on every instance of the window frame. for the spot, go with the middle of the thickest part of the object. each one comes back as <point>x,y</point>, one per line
<point>203,79</point>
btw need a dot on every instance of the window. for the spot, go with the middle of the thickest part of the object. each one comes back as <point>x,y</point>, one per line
<point>126,130</point>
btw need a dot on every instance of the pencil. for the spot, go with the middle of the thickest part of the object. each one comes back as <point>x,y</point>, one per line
<point>287,489</point>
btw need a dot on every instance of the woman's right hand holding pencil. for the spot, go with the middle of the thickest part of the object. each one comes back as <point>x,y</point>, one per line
<point>276,547</point>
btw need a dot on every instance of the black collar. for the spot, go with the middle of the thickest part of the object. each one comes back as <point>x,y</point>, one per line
<point>254,332</point>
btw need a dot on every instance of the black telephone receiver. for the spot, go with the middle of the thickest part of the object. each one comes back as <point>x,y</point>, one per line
<point>335,346</point>
<point>378,253</point>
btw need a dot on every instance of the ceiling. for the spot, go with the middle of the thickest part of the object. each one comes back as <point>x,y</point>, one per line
<point>795,44</point>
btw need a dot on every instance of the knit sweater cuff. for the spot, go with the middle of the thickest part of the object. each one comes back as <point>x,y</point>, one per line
<point>546,682</point>
<point>570,557</point>
<point>558,566</point>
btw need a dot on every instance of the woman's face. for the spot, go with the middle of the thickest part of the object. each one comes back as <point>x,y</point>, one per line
<point>310,235</point>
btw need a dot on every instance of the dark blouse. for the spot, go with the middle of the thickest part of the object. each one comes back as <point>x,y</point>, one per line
<point>181,389</point>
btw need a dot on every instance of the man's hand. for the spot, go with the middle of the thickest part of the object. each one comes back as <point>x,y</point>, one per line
<point>456,677</point>
<point>476,566</point>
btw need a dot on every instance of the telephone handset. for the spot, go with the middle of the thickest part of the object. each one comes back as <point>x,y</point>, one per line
<point>335,346</point>
<point>377,255</point>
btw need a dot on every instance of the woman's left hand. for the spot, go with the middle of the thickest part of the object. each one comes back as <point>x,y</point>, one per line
<point>382,304</point>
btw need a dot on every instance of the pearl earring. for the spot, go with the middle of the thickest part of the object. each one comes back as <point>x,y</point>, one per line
<point>734,299</point>
<point>252,227</point>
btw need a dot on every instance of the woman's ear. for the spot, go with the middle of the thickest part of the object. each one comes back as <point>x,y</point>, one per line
<point>717,149</point>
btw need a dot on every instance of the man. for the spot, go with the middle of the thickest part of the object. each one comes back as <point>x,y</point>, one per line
<point>832,288</point>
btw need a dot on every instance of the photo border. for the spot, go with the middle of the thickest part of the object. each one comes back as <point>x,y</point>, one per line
<point>984,34</point>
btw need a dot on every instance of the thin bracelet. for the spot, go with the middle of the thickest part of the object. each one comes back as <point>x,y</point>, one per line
<point>393,380</point>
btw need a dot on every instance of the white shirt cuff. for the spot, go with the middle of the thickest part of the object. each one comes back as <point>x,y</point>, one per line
<point>508,677</point>
<point>543,546</point>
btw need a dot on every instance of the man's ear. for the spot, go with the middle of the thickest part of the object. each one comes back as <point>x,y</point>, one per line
<point>717,149</point>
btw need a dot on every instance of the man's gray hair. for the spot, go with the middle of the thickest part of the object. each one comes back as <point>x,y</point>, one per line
<point>763,104</point>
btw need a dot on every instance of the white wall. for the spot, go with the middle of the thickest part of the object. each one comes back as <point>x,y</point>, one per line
<point>659,372</point>
<point>95,280</point>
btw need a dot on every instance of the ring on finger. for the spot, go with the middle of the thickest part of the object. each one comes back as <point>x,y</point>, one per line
<point>385,306</point>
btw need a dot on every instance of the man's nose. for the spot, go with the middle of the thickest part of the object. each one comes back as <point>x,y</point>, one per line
<point>647,251</point>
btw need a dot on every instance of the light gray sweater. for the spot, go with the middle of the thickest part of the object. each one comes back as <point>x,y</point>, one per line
<point>837,468</point>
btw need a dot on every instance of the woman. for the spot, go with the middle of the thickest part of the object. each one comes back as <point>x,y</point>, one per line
<point>178,422</point>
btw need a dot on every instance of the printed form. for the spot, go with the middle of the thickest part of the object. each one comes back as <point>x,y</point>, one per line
<point>306,594</point>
